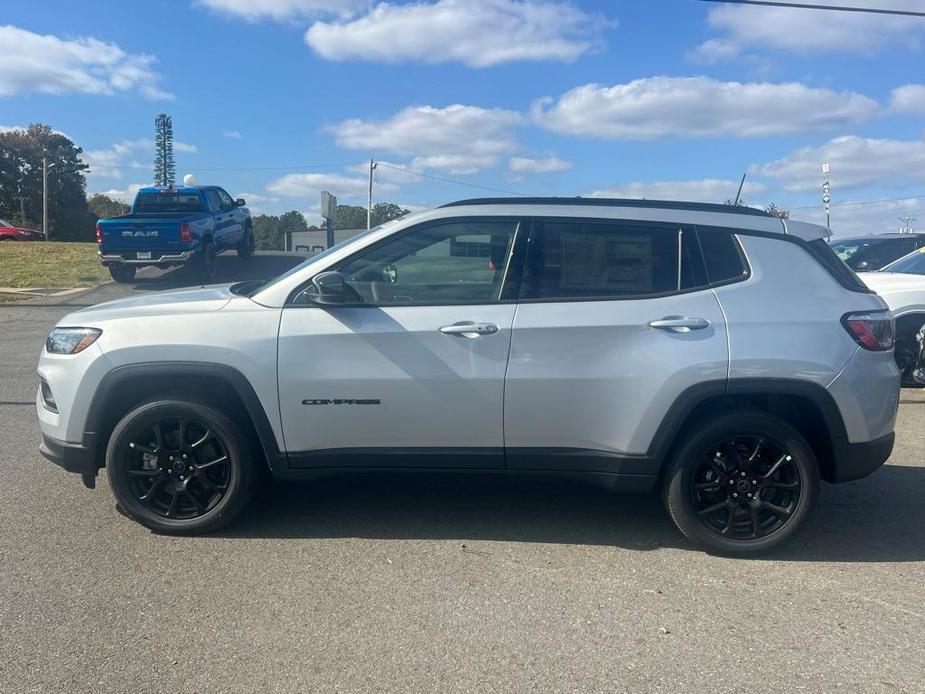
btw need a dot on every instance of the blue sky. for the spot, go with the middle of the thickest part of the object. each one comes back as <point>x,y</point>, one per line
<point>277,99</point>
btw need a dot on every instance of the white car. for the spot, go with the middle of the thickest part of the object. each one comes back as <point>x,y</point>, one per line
<point>902,286</point>
<point>721,355</point>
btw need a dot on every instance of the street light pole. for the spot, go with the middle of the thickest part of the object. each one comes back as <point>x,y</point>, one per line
<point>369,200</point>
<point>45,167</point>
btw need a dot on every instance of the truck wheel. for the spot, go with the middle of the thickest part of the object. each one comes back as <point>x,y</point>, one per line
<point>741,484</point>
<point>122,273</point>
<point>207,259</point>
<point>179,466</point>
<point>246,247</point>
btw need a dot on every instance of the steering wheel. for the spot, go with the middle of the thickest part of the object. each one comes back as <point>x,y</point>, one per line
<point>390,274</point>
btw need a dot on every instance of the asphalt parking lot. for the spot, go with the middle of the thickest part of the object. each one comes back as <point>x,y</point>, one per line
<point>441,583</point>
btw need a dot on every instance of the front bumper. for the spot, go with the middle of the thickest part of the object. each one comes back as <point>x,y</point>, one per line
<point>118,259</point>
<point>73,457</point>
<point>856,460</point>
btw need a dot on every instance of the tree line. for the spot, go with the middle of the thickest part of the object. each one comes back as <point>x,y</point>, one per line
<point>72,216</point>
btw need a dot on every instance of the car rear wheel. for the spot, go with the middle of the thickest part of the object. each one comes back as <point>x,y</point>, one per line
<point>743,483</point>
<point>179,466</point>
<point>246,247</point>
<point>122,273</point>
<point>207,262</point>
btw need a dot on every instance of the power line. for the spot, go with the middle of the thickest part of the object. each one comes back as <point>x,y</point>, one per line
<point>449,180</point>
<point>251,168</point>
<point>813,6</point>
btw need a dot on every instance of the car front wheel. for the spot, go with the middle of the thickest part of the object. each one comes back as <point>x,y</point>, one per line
<point>742,483</point>
<point>179,466</point>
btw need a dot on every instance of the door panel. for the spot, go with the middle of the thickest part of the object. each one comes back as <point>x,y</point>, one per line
<point>594,375</point>
<point>386,377</point>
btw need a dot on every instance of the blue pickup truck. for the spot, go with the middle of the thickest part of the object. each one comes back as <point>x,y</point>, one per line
<point>175,226</point>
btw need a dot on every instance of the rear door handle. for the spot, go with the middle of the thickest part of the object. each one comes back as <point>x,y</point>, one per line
<point>680,324</point>
<point>469,329</point>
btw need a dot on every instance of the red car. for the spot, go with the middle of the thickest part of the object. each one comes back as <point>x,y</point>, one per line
<point>10,233</point>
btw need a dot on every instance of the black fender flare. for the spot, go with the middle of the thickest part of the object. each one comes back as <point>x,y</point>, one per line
<point>120,375</point>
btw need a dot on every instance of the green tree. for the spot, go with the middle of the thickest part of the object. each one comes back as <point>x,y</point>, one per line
<point>267,236</point>
<point>385,212</point>
<point>21,177</point>
<point>775,211</point>
<point>103,206</point>
<point>350,217</point>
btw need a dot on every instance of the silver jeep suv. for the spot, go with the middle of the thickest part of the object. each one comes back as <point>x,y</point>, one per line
<point>719,354</point>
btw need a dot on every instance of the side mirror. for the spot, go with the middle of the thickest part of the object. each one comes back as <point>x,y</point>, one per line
<point>329,287</point>
<point>240,202</point>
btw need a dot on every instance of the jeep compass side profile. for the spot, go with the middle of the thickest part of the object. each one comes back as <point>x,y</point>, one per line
<point>721,355</point>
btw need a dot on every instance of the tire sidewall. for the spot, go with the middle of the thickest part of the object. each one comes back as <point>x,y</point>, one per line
<point>240,478</point>
<point>207,261</point>
<point>678,478</point>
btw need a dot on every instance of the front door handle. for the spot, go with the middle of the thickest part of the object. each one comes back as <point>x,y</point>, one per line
<point>680,324</point>
<point>469,329</point>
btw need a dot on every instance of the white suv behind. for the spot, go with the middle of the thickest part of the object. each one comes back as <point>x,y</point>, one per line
<point>721,355</point>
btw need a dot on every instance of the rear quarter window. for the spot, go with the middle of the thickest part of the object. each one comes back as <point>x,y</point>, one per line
<point>723,257</point>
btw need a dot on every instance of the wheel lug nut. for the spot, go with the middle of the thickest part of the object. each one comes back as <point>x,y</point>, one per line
<point>735,495</point>
<point>191,468</point>
<point>749,496</point>
<point>743,474</point>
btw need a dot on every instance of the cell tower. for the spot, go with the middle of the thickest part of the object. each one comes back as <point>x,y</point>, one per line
<point>164,168</point>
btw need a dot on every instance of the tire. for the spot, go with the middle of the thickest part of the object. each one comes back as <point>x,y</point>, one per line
<point>123,274</point>
<point>720,465</point>
<point>907,350</point>
<point>156,486</point>
<point>247,245</point>
<point>206,262</point>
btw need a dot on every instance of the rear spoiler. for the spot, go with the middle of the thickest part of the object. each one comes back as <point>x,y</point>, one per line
<point>805,230</point>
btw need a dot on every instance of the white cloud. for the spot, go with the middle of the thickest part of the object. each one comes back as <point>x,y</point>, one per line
<point>459,139</point>
<point>702,190</point>
<point>714,51</point>
<point>807,31</point>
<point>283,10</point>
<point>111,161</point>
<point>910,98</point>
<point>310,185</point>
<point>232,135</point>
<point>655,107</point>
<point>854,162</point>
<point>477,33</point>
<point>126,195</point>
<point>50,65</point>
<point>537,166</point>
<point>848,219</point>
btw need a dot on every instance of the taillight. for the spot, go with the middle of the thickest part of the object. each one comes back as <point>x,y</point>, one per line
<point>186,233</point>
<point>99,233</point>
<point>873,330</point>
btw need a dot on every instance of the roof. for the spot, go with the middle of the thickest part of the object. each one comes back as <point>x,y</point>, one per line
<point>615,202</point>
<point>174,189</point>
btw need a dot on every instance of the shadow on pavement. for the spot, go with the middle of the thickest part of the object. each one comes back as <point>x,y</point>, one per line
<point>229,268</point>
<point>877,519</point>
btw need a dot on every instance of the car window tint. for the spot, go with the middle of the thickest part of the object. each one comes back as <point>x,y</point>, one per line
<point>914,263</point>
<point>590,260</point>
<point>449,263</point>
<point>226,199</point>
<point>879,254</point>
<point>693,272</point>
<point>722,255</point>
<point>215,200</point>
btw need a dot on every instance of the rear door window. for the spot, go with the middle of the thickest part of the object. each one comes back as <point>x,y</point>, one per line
<point>215,200</point>
<point>592,260</point>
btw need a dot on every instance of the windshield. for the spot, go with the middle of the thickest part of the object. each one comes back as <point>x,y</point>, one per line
<point>168,202</point>
<point>847,249</point>
<point>912,264</point>
<point>4,223</point>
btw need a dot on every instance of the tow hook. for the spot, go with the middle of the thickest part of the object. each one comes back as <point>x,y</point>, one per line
<point>89,480</point>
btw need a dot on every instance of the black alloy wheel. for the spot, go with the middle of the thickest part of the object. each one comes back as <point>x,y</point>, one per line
<point>179,466</point>
<point>741,482</point>
<point>207,261</point>
<point>746,487</point>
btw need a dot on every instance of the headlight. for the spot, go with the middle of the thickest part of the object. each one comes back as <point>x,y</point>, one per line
<point>70,340</point>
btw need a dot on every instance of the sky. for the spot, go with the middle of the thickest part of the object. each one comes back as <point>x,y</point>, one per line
<point>276,100</point>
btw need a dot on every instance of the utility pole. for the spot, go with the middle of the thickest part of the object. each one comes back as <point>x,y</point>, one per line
<point>45,167</point>
<point>826,190</point>
<point>369,201</point>
<point>22,209</point>
<point>907,225</point>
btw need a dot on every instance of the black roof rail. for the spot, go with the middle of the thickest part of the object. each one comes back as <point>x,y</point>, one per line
<point>616,202</point>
